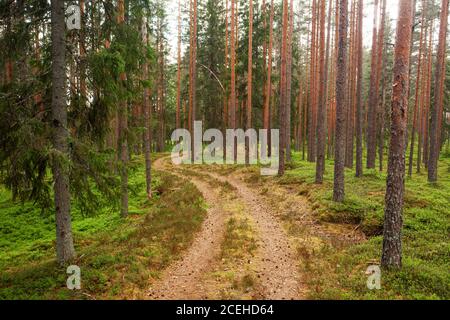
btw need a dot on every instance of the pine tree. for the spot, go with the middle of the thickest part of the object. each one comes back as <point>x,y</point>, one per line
<point>418,83</point>
<point>289,81</point>
<point>359,95</point>
<point>283,88</point>
<point>147,114</point>
<point>373,96</point>
<point>178,111</point>
<point>249,79</point>
<point>267,96</point>
<point>123,128</point>
<point>320,164</point>
<point>393,222</point>
<point>438,96</point>
<point>341,108</point>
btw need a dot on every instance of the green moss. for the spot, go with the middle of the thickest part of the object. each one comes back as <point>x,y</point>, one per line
<point>116,256</point>
<point>340,273</point>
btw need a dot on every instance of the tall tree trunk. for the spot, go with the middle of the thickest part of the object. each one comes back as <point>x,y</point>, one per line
<point>266,116</point>
<point>322,108</point>
<point>283,86</point>
<point>393,221</point>
<point>373,97</point>
<point>382,124</point>
<point>82,46</point>
<point>123,129</point>
<point>341,108</point>
<point>193,71</point>
<point>64,242</point>
<point>351,82</point>
<point>427,96</point>
<point>380,68</point>
<point>178,111</point>
<point>313,94</point>
<point>438,96</point>
<point>328,83</point>
<point>233,108</point>
<point>289,82</point>
<point>147,116</point>
<point>417,96</point>
<point>359,95</point>
<point>249,79</point>
<point>410,71</point>
<point>162,88</point>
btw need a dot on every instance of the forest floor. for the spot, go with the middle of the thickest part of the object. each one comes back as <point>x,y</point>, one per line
<point>264,267</point>
<point>226,232</point>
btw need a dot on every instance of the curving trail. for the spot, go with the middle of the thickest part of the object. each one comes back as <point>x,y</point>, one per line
<point>183,279</point>
<point>278,268</point>
<point>275,264</point>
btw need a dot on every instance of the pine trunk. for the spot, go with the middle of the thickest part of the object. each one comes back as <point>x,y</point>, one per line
<point>283,87</point>
<point>417,96</point>
<point>438,96</point>
<point>123,130</point>
<point>373,98</point>
<point>359,95</point>
<point>249,80</point>
<point>178,110</point>
<point>393,221</point>
<point>322,108</point>
<point>341,108</point>
<point>289,82</point>
<point>147,116</point>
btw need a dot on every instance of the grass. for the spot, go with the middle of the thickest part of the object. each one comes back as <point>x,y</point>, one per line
<point>335,268</point>
<point>340,273</point>
<point>235,273</point>
<point>118,257</point>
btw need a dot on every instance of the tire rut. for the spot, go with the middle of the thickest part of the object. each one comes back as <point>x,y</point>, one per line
<point>183,279</point>
<point>276,265</point>
<point>278,270</point>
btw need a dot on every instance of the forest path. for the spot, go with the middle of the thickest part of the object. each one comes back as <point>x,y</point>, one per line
<point>183,279</point>
<point>278,268</point>
<point>275,264</point>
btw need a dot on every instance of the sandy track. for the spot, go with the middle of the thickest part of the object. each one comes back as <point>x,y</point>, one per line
<point>183,279</point>
<point>276,266</point>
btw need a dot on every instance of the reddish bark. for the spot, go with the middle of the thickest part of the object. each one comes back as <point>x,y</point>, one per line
<point>393,221</point>
<point>341,108</point>
<point>438,96</point>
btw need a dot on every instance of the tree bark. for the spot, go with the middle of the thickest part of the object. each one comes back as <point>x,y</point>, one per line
<point>289,82</point>
<point>193,71</point>
<point>147,116</point>
<point>322,108</point>
<point>233,66</point>
<point>438,96</point>
<point>380,68</point>
<point>64,241</point>
<point>283,86</point>
<point>266,116</point>
<point>349,139</point>
<point>393,221</point>
<point>178,110</point>
<point>123,129</point>
<point>417,96</point>
<point>359,95</point>
<point>373,98</point>
<point>313,94</point>
<point>249,80</point>
<point>341,108</point>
